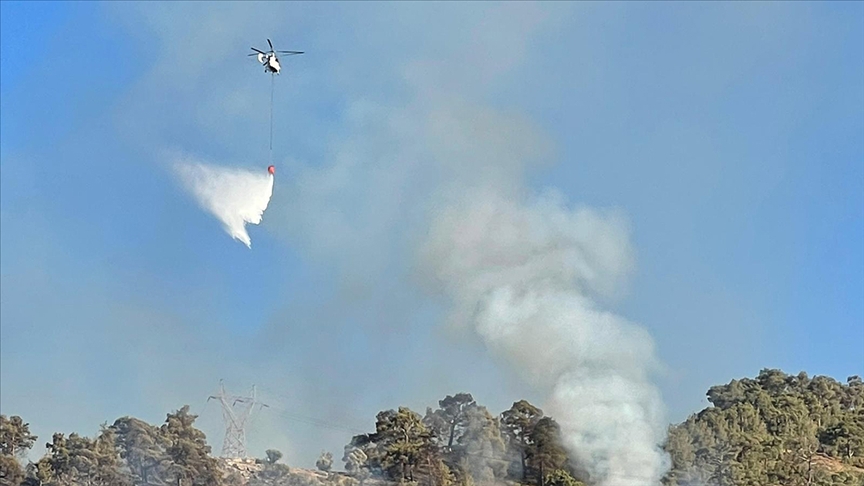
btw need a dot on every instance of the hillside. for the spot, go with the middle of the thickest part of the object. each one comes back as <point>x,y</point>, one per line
<point>776,429</point>
<point>772,430</point>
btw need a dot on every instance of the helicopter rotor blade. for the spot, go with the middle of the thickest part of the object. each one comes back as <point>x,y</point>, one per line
<point>259,52</point>
<point>271,44</point>
<point>291,52</point>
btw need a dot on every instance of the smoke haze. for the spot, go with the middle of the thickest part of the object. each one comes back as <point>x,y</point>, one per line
<point>412,157</point>
<point>235,196</point>
<point>523,274</point>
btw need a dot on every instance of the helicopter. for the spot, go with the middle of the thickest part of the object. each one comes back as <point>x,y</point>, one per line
<point>270,60</point>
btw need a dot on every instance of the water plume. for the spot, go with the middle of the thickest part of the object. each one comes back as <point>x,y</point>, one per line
<point>235,196</point>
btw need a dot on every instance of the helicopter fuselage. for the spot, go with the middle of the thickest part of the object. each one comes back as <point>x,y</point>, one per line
<point>269,59</point>
<point>271,63</point>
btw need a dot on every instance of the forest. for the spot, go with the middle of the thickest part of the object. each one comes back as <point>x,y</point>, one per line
<point>772,430</point>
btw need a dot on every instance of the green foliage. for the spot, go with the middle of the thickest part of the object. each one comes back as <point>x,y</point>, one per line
<point>462,443</point>
<point>187,450</point>
<point>400,444</point>
<point>435,472</point>
<point>517,424</point>
<point>77,460</point>
<point>11,472</point>
<point>449,421</point>
<point>15,440</point>
<point>560,477</point>
<point>15,436</point>
<point>545,452</point>
<point>130,452</point>
<point>141,446</point>
<point>403,440</point>
<point>774,429</point>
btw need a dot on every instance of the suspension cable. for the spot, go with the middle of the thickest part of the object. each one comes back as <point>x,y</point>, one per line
<point>272,83</point>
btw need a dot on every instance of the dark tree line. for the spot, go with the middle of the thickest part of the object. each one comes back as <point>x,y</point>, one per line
<point>776,429</point>
<point>129,452</point>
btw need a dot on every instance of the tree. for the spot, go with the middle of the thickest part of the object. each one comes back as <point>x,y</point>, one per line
<point>11,472</point>
<point>141,446</point>
<point>722,462</point>
<point>15,440</point>
<point>355,463</point>
<point>324,462</point>
<point>372,454</point>
<point>448,422</point>
<point>468,439</point>
<point>401,442</point>
<point>109,465</point>
<point>273,456</point>
<point>403,439</point>
<point>15,436</point>
<point>435,471</point>
<point>545,452</point>
<point>517,423</point>
<point>77,460</point>
<point>774,429</point>
<point>187,449</point>
<point>480,448</point>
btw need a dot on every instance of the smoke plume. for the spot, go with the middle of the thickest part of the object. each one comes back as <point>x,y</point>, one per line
<point>526,274</point>
<point>234,196</point>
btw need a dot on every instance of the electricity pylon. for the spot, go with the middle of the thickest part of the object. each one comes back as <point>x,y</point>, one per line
<point>235,418</point>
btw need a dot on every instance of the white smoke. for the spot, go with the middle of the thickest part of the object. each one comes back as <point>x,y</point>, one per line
<point>234,196</point>
<point>525,275</point>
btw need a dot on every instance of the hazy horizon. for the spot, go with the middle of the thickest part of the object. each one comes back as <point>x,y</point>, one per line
<point>687,175</point>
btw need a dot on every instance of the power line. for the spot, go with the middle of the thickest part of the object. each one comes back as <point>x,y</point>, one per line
<point>305,419</point>
<point>318,423</point>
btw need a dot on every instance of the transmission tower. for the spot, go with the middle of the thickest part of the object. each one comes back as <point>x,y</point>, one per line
<point>236,412</point>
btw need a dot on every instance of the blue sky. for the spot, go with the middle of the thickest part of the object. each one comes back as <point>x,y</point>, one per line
<point>728,135</point>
